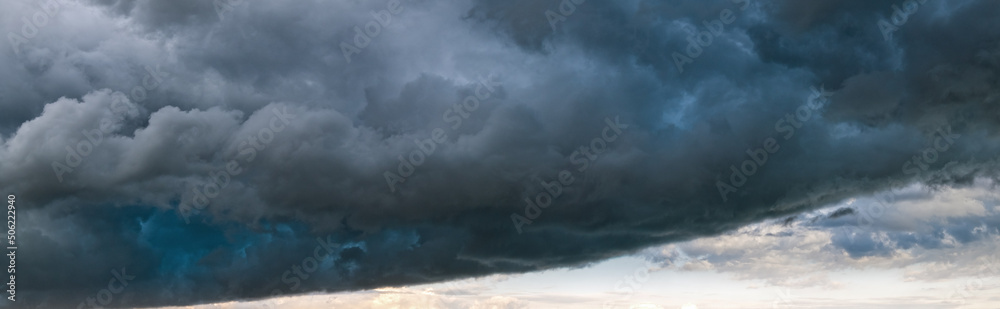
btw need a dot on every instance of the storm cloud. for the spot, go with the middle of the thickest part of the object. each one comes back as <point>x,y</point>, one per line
<point>396,142</point>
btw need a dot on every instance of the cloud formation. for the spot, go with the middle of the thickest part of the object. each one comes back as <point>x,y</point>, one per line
<point>930,235</point>
<point>321,179</point>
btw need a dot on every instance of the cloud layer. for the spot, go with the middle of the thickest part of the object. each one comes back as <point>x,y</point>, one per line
<point>308,145</point>
<point>930,235</point>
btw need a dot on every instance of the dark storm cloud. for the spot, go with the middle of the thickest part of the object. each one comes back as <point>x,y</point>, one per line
<point>323,175</point>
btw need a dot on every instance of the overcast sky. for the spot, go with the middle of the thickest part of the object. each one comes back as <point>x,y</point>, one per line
<point>364,153</point>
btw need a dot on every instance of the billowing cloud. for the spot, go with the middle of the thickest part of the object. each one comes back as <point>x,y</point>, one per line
<point>244,149</point>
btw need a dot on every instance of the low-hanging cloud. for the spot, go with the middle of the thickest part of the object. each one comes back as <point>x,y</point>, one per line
<point>322,176</point>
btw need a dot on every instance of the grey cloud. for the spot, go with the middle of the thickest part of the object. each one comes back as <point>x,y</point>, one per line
<point>941,244</point>
<point>323,175</point>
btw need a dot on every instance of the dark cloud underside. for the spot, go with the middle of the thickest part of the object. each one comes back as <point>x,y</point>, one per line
<point>225,75</point>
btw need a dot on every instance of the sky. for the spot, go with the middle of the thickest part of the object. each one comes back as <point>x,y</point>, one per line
<point>501,153</point>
